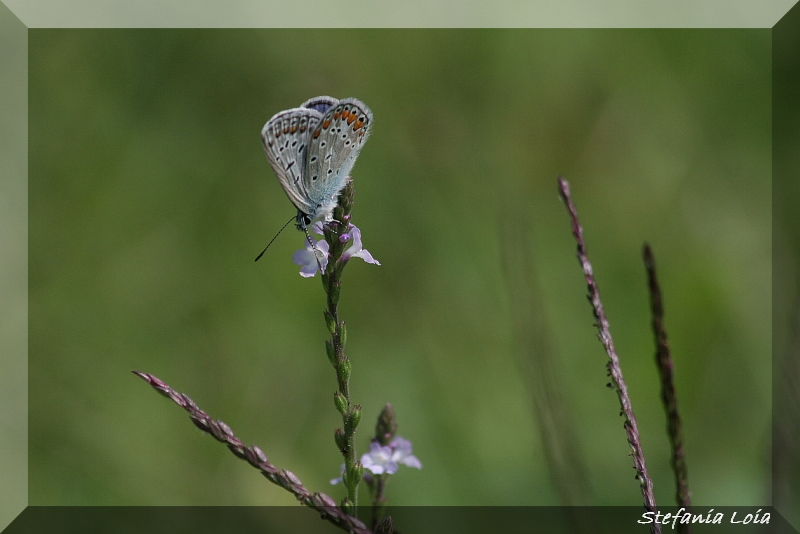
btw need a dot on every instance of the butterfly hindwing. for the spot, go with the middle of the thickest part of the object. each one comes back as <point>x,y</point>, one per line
<point>320,103</point>
<point>285,138</point>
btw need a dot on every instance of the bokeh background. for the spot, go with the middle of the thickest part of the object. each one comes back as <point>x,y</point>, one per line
<point>150,196</point>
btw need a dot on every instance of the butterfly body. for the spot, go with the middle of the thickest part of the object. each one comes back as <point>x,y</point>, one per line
<point>312,150</point>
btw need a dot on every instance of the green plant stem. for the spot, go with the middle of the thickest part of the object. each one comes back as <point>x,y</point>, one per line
<point>351,414</point>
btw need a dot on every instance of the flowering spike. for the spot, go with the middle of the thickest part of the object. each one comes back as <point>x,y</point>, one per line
<point>386,427</point>
<point>331,248</point>
<point>385,526</point>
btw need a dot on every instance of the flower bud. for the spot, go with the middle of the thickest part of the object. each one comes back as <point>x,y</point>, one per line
<point>356,416</point>
<point>330,322</point>
<point>385,526</point>
<point>345,369</point>
<point>354,475</point>
<point>342,334</point>
<point>340,439</point>
<point>340,402</point>
<point>386,427</point>
<point>331,352</point>
<point>348,507</point>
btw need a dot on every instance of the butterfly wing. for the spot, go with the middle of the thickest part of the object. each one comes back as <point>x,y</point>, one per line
<point>334,144</point>
<point>320,103</point>
<point>285,137</point>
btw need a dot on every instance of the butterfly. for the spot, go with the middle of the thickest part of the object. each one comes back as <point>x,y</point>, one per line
<point>312,150</point>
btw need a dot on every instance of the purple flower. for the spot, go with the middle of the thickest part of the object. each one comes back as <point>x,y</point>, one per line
<point>356,250</point>
<point>310,258</point>
<point>339,480</point>
<point>386,459</point>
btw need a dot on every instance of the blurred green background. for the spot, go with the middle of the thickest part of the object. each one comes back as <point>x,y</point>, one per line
<point>150,196</point>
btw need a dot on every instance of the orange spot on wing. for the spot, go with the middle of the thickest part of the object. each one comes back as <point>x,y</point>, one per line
<point>326,123</point>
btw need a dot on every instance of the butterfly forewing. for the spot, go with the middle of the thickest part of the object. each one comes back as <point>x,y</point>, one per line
<point>285,137</point>
<point>334,145</point>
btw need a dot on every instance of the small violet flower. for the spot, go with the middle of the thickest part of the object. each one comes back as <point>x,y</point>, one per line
<point>310,258</point>
<point>339,480</point>
<point>386,459</point>
<point>356,250</point>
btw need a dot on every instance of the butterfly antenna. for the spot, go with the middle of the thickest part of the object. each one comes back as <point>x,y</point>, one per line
<point>276,237</point>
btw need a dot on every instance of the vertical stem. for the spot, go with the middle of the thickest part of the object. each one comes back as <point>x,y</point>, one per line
<point>351,414</point>
<point>385,431</point>
<point>668,395</point>
<point>379,499</point>
<point>613,365</point>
